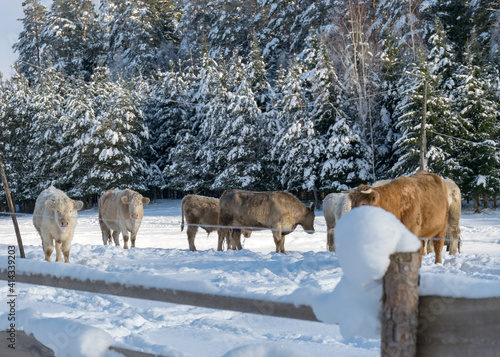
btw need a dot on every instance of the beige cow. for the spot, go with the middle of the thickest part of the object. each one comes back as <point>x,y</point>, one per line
<point>121,212</point>
<point>335,205</point>
<point>55,218</point>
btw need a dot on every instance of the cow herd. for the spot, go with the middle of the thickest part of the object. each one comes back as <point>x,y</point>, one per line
<point>427,205</point>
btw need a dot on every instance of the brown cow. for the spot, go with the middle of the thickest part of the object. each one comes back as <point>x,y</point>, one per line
<point>202,212</point>
<point>121,211</point>
<point>279,211</point>
<point>419,201</point>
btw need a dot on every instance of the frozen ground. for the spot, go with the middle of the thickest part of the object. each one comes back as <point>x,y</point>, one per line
<point>161,255</point>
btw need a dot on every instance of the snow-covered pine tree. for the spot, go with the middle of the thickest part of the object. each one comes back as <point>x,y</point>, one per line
<point>50,95</point>
<point>339,163</point>
<point>442,124</point>
<point>478,157</point>
<point>117,137</point>
<point>16,136</point>
<point>297,145</point>
<point>230,24</point>
<point>185,171</point>
<point>213,110</point>
<point>76,157</point>
<point>165,109</point>
<point>240,140</point>
<point>409,112</point>
<point>390,87</point>
<point>139,35</point>
<point>66,35</point>
<point>31,57</point>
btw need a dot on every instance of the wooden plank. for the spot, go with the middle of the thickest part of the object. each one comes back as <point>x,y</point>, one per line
<point>25,346</point>
<point>458,327</point>
<point>174,296</point>
<point>400,306</point>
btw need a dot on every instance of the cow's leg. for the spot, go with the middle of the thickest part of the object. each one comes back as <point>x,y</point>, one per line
<point>330,240</point>
<point>125,239</point>
<point>454,236</point>
<point>279,241</point>
<point>228,240</point>
<point>48,248</point>
<point>438,246</point>
<point>106,233</point>
<point>133,235</point>
<point>58,251</point>
<point>222,233</point>
<point>236,239</point>
<point>282,244</point>
<point>65,249</point>
<point>191,233</point>
<point>116,237</point>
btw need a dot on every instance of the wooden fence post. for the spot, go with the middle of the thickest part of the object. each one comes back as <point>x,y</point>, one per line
<point>400,306</point>
<point>12,209</point>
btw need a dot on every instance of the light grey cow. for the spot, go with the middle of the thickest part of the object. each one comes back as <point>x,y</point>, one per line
<point>55,218</point>
<point>121,212</point>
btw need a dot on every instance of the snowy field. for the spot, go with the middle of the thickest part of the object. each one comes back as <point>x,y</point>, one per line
<point>162,255</point>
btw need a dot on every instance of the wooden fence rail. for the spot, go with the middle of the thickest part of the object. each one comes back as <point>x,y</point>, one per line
<point>174,296</point>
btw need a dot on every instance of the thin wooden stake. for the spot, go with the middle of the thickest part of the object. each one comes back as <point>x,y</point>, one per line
<point>12,209</point>
<point>400,306</point>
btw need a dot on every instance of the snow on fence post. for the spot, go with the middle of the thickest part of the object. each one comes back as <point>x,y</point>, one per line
<point>400,306</point>
<point>12,209</point>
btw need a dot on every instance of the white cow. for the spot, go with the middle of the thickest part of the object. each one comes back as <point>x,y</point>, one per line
<point>55,220</point>
<point>121,212</point>
<point>335,205</point>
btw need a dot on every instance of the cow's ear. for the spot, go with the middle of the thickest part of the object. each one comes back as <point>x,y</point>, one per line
<point>50,204</point>
<point>311,208</point>
<point>78,205</point>
<point>145,200</point>
<point>125,200</point>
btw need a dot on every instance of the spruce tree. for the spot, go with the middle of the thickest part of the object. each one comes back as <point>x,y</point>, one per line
<point>67,36</point>
<point>241,137</point>
<point>31,57</point>
<point>478,110</point>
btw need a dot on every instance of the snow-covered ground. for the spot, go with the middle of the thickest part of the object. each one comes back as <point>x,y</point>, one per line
<point>162,256</point>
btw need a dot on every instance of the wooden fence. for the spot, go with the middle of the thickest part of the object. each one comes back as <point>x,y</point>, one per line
<point>411,325</point>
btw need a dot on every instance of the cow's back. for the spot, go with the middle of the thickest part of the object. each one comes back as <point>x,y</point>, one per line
<point>256,209</point>
<point>201,210</point>
<point>423,203</point>
<point>331,208</point>
<point>110,210</point>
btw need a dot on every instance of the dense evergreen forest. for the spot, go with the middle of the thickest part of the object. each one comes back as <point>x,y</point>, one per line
<point>203,95</point>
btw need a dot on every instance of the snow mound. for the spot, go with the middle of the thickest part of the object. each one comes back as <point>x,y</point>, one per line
<point>267,350</point>
<point>365,237</point>
<point>65,337</point>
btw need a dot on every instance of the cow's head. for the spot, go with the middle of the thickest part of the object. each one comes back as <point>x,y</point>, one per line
<point>64,210</point>
<point>135,205</point>
<point>308,223</point>
<point>364,195</point>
